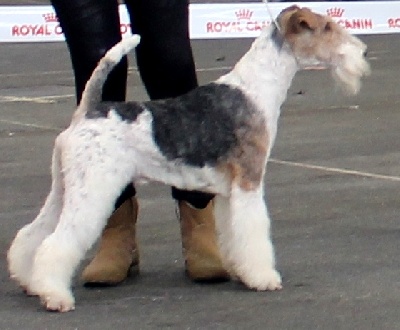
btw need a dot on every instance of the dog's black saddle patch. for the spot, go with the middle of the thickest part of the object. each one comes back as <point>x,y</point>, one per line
<point>198,128</point>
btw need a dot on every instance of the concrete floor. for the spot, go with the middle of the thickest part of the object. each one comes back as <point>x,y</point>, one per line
<point>336,233</point>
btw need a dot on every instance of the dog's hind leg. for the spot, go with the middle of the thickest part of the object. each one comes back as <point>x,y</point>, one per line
<point>92,182</point>
<point>23,248</point>
<point>243,226</point>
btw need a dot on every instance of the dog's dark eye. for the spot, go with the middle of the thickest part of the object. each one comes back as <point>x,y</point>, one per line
<point>328,27</point>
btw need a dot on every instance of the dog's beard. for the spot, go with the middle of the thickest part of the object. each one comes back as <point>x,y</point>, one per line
<point>350,67</point>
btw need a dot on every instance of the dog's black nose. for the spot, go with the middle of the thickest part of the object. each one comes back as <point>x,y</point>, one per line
<point>365,53</point>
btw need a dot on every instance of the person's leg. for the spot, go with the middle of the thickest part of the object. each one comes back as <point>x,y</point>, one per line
<point>167,68</point>
<point>91,27</point>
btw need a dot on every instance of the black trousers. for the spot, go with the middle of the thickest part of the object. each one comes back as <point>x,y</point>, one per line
<point>164,55</point>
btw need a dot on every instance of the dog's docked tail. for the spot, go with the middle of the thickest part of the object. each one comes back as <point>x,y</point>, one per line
<point>93,90</point>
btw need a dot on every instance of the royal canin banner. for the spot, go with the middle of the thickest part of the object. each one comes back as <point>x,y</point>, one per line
<point>212,21</point>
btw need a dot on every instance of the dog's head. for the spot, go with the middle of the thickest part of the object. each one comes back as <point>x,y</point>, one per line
<point>317,40</point>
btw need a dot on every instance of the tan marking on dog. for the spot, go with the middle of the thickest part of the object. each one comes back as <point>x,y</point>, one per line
<point>245,165</point>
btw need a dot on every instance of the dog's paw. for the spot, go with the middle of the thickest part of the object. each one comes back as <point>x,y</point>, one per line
<point>58,301</point>
<point>267,280</point>
<point>24,286</point>
<point>19,264</point>
<point>27,290</point>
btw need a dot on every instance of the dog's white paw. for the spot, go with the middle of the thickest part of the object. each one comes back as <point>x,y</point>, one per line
<point>58,301</point>
<point>268,279</point>
<point>26,289</point>
<point>20,260</point>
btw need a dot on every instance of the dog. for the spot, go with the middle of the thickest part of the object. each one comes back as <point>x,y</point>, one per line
<point>216,138</point>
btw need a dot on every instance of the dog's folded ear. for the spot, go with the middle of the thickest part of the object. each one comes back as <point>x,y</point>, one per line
<point>296,20</point>
<point>285,15</point>
<point>302,20</point>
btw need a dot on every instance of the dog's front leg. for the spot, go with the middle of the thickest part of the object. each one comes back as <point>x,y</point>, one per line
<point>244,232</point>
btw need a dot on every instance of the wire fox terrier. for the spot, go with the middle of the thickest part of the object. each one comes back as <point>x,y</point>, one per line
<point>217,139</point>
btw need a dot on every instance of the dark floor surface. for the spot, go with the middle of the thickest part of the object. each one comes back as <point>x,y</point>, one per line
<point>337,235</point>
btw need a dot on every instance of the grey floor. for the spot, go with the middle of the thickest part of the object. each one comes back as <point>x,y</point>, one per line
<point>332,188</point>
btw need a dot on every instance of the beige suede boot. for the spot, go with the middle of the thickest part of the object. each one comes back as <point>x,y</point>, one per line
<point>118,253</point>
<point>199,242</point>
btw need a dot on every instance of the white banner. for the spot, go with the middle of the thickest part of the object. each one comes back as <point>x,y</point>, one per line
<point>246,19</point>
<point>212,21</point>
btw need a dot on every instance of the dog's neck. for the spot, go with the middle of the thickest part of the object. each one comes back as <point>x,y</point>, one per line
<point>266,71</point>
